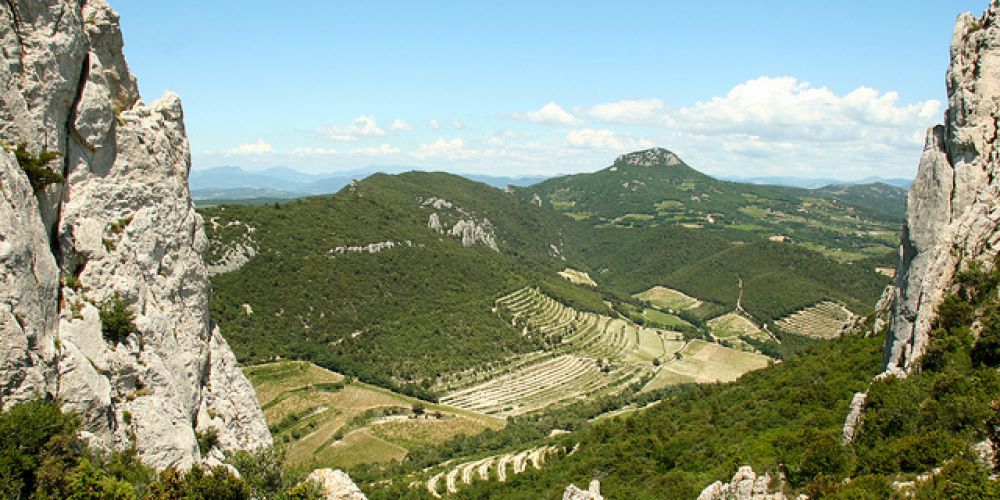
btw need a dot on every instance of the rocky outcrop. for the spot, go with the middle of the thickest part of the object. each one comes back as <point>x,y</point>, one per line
<point>745,485</point>
<point>853,419</point>
<point>656,157</point>
<point>434,223</point>
<point>119,229</point>
<point>593,492</point>
<point>336,485</point>
<point>370,247</point>
<point>472,233</point>
<point>952,211</point>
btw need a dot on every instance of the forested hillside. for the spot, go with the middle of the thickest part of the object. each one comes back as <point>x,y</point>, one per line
<point>394,278</point>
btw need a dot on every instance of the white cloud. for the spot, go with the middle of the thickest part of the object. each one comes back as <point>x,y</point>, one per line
<point>434,124</point>
<point>309,151</point>
<point>362,126</point>
<point>776,109</point>
<point>628,111</point>
<point>453,149</point>
<point>457,125</point>
<point>255,148</point>
<point>549,114</point>
<point>383,149</point>
<point>605,139</point>
<point>399,125</point>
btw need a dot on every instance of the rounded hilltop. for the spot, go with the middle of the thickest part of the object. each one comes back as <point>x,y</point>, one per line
<point>654,157</point>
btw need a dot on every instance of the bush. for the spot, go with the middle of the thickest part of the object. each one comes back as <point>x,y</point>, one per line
<point>117,320</point>
<point>207,439</point>
<point>35,166</point>
<point>35,439</point>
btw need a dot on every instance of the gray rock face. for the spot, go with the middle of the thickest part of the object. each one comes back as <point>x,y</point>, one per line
<point>650,158</point>
<point>952,216</point>
<point>745,485</point>
<point>434,223</point>
<point>593,492</point>
<point>471,233</point>
<point>854,417</point>
<point>121,225</point>
<point>336,485</point>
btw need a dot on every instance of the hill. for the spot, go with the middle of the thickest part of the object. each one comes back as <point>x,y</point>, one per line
<point>655,187</point>
<point>360,282</point>
<point>394,279</point>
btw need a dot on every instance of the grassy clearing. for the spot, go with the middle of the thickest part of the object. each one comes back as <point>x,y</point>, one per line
<point>668,298</point>
<point>326,420</point>
<point>703,362</point>
<point>577,277</point>
<point>578,215</point>
<point>664,319</point>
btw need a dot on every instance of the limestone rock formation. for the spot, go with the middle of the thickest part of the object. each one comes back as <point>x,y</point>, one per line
<point>434,223</point>
<point>593,492</point>
<point>745,485</point>
<point>336,485</point>
<point>853,419</point>
<point>953,212</point>
<point>119,229</point>
<point>650,158</point>
<point>471,233</point>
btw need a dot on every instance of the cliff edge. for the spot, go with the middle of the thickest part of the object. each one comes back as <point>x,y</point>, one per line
<point>103,291</point>
<point>952,214</point>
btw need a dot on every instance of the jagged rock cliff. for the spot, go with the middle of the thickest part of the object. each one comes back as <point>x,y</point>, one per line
<point>952,215</point>
<point>120,228</point>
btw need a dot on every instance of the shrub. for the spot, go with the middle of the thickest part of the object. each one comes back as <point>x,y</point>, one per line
<point>207,439</point>
<point>35,168</point>
<point>117,320</point>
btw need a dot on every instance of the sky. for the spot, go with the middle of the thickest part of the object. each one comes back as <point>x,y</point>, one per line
<point>793,88</point>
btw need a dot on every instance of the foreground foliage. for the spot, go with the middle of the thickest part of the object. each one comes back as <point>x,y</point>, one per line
<point>787,419</point>
<point>41,456</point>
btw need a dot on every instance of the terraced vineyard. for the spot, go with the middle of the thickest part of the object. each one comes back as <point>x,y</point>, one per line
<point>325,419</point>
<point>586,354</point>
<point>823,320</point>
<point>493,468</point>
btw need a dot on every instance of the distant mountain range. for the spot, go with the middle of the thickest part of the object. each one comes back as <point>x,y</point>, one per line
<point>810,183</point>
<point>235,183</point>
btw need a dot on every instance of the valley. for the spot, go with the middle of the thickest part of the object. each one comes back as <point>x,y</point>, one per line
<point>355,325</point>
<point>489,306</point>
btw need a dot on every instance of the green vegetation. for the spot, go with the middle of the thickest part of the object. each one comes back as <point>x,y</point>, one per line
<point>849,222</point>
<point>42,456</point>
<point>775,422</point>
<point>36,166</point>
<point>411,316</point>
<point>117,319</point>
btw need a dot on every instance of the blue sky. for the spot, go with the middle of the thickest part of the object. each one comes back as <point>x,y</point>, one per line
<point>796,88</point>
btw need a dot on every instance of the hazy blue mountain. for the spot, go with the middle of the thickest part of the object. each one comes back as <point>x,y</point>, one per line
<point>235,183</point>
<point>813,183</point>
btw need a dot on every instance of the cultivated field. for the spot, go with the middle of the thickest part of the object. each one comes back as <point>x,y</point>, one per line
<point>732,325</point>
<point>326,420</point>
<point>704,362</point>
<point>577,277</point>
<point>823,320</point>
<point>668,298</point>
<point>586,354</point>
